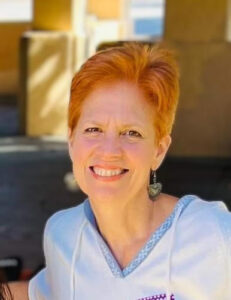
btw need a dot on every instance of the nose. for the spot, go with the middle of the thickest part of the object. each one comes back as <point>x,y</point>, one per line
<point>110,147</point>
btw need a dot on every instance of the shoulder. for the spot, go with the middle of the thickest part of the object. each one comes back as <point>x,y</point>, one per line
<point>62,231</point>
<point>212,217</point>
<point>217,210</point>
<point>65,221</point>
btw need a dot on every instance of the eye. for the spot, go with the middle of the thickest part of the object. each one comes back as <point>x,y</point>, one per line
<point>92,129</point>
<point>133,133</point>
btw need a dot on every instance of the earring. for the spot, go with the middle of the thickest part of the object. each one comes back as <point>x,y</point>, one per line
<point>155,188</point>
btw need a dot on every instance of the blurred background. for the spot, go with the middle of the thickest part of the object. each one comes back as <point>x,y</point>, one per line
<point>42,44</point>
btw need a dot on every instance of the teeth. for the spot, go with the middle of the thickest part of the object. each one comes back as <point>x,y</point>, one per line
<point>103,172</point>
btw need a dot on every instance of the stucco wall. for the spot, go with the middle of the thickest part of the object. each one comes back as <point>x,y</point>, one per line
<point>105,9</point>
<point>47,67</point>
<point>10,34</point>
<point>203,123</point>
<point>196,20</point>
<point>197,30</point>
<point>53,15</point>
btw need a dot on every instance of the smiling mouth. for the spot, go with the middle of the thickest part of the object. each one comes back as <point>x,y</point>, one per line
<point>108,173</point>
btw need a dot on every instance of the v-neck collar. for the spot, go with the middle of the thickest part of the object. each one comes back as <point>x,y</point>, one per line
<point>149,245</point>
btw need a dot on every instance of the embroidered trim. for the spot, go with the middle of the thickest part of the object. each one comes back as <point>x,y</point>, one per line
<point>145,251</point>
<point>158,297</point>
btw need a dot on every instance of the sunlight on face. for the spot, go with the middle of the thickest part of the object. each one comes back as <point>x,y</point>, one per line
<point>115,131</point>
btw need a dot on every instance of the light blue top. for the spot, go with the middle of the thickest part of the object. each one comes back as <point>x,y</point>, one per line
<point>146,249</point>
<point>187,257</point>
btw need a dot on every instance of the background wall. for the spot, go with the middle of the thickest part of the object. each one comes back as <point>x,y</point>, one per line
<point>199,34</point>
<point>10,34</point>
<point>198,31</point>
<point>106,10</point>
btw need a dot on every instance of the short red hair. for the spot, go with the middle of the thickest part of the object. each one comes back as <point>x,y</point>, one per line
<point>152,68</point>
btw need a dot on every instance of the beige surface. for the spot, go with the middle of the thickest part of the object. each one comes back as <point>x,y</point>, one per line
<point>106,9</point>
<point>48,68</point>
<point>203,123</point>
<point>10,34</point>
<point>53,14</point>
<point>9,82</point>
<point>196,20</point>
<point>197,30</point>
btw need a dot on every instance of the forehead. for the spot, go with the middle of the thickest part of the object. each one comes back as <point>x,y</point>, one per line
<point>121,100</point>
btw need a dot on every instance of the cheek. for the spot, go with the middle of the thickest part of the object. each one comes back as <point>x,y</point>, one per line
<point>80,152</point>
<point>82,158</point>
<point>142,154</point>
<point>79,163</point>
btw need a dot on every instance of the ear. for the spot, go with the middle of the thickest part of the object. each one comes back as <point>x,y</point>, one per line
<point>70,143</point>
<point>161,150</point>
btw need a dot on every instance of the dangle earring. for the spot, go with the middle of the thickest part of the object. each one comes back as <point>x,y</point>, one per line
<point>155,188</point>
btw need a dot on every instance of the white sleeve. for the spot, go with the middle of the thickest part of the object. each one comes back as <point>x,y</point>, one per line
<point>38,287</point>
<point>224,220</point>
<point>227,227</point>
<point>53,282</point>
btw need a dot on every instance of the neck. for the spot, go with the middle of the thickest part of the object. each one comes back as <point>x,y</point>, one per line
<point>125,226</point>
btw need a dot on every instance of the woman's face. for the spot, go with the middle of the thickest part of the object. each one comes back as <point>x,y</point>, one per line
<point>113,145</point>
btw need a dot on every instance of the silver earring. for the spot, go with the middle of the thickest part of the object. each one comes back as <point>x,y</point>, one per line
<point>155,188</point>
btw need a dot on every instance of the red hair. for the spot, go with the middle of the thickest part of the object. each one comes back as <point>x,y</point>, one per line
<point>152,68</point>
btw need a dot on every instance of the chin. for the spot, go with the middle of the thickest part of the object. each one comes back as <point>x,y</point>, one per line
<point>106,195</point>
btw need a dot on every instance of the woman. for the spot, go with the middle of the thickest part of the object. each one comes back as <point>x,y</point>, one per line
<point>18,290</point>
<point>5,293</point>
<point>129,241</point>
<point>14,290</point>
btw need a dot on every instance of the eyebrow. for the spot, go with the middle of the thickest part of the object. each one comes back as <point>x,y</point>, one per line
<point>123,125</point>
